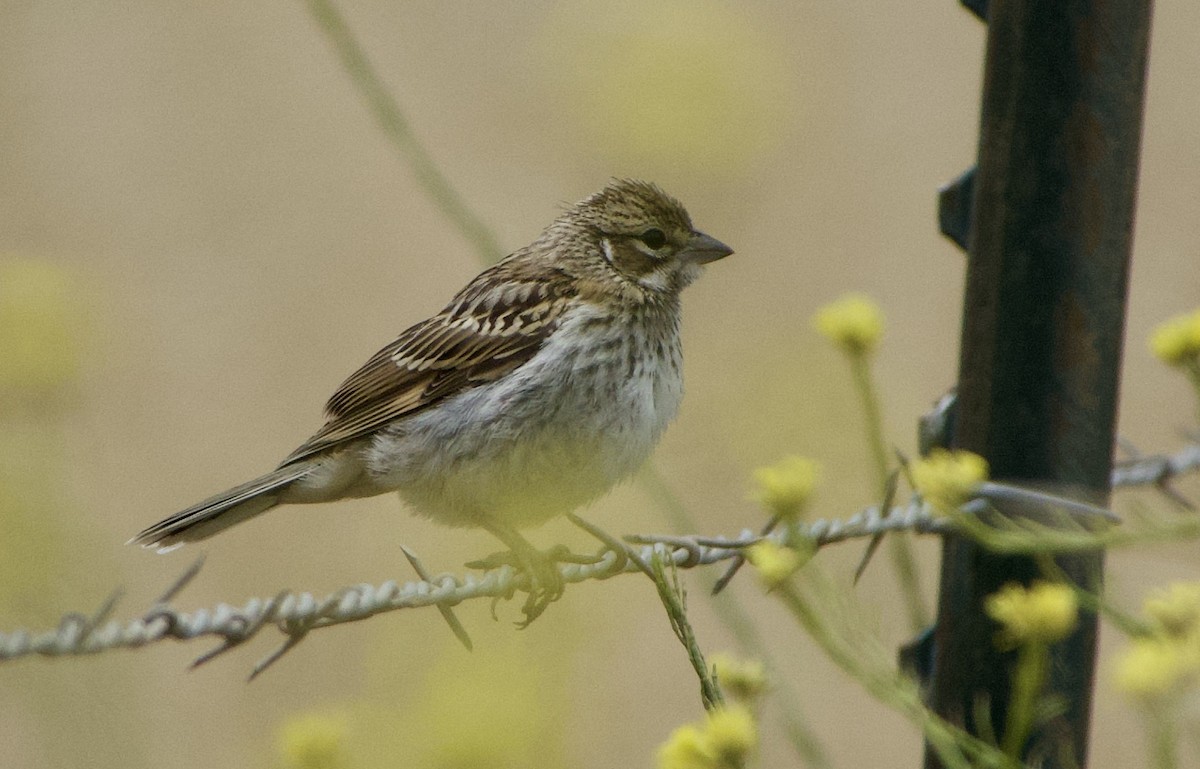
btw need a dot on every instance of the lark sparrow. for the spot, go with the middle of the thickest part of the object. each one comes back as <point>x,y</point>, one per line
<point>546,380</point>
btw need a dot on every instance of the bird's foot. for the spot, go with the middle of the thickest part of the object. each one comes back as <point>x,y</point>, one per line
<point>541,567</point>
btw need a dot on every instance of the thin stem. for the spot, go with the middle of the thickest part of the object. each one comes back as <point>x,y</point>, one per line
<point>1008,536</point>
<point>899,544</point>
<point>397,128</point>
<point>741,624</point>
<point>1028,680</point>
<point>1123,621</point>
<point>952,745</point>
<point>804,740</point>
<point>1192,367</point>
<point>1163,740</point>
<point>673,601</point>
<point>860,369</point>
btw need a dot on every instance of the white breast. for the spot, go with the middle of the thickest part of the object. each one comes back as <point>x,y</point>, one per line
<point>581,415</point>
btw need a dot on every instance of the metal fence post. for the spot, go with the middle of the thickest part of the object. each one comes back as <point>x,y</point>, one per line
<point>1043,315</point>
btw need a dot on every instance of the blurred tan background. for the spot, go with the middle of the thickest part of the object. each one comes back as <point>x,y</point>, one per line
<point>197,206</point>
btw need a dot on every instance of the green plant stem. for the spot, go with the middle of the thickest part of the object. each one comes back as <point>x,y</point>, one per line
<point>1007,535</point>
<point>1033,660</point>
<point>673,601</point>
<point>1164,739</point>
<point>1123,621</point>
<point>804,740</point>
<point>899,544</point>
<point>860,369</point>
<point>397,128</point>
<point>955,748</point>
<point>1192,367</point>
<point>738,621</point>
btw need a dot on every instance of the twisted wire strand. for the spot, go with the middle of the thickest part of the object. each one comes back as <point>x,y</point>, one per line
<point>296,613</point>
<point>1157,470</point>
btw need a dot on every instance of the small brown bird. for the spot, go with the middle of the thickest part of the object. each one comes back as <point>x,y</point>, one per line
<point>546,380</point>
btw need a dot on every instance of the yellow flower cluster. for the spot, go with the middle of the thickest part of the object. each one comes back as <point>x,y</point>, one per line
<point>725,740</point>
<point>1155,667</point>
<point>775,563</point>
<point>741,679</point>
<point>853,322</point>
<point>785,487</point>
<point>1166,662</point>
<point>947,479</point>
<point>1044,613</point>
<point>313,741</point>
<point>1177,341</point>
<point>1175,609</point>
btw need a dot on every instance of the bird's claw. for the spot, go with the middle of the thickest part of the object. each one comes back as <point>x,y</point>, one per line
<point>546,584</point>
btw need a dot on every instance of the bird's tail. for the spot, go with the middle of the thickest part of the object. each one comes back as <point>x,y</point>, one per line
<point>219,512</point>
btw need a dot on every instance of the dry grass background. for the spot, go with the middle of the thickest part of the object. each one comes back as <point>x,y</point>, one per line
<point>231,235</point>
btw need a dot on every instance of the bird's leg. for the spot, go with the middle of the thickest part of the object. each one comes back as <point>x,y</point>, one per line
<point>545,580</point>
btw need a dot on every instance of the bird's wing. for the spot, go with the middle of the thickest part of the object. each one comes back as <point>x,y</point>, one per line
<point>493,326</point>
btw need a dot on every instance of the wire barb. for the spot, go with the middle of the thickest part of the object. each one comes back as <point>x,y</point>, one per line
<point>456,627</point>
<point>1158,471</point>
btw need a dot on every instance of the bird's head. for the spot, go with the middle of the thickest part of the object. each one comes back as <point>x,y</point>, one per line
<point>639,235</point>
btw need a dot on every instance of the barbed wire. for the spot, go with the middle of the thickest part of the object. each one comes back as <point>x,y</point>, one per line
<point>294,614</point>
<point>1158,470</point>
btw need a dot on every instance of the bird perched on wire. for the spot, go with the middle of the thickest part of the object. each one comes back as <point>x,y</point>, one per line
<point>546,380</point>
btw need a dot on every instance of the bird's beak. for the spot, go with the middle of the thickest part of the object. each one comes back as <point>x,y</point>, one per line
<point>702,249</point>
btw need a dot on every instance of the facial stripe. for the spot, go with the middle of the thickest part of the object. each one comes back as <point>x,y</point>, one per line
<point>658,279</point>
<point>640,246</point>
<point>607,245</point>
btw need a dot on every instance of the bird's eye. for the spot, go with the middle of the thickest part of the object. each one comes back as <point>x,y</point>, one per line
<point>654,238</point>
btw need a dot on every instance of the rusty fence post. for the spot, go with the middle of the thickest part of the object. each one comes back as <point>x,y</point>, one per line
<point>1050,230</point>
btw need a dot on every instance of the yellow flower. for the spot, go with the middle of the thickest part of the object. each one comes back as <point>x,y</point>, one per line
<point>742,679</point>
<point>313,741</point>
<point>1176,341</point>
<point>726,739</point>
<point>1154,667</point>
<point>732,734</point>
<point>1045,612</point>
<point>1175,609</point>
<point>853,323</point>
<point>784,488</point>
<point>687,748</point>
<point>947,479</point>
<point>774,563</point>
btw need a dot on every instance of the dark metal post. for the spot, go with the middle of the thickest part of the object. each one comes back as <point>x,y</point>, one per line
<point>1043,318</point>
